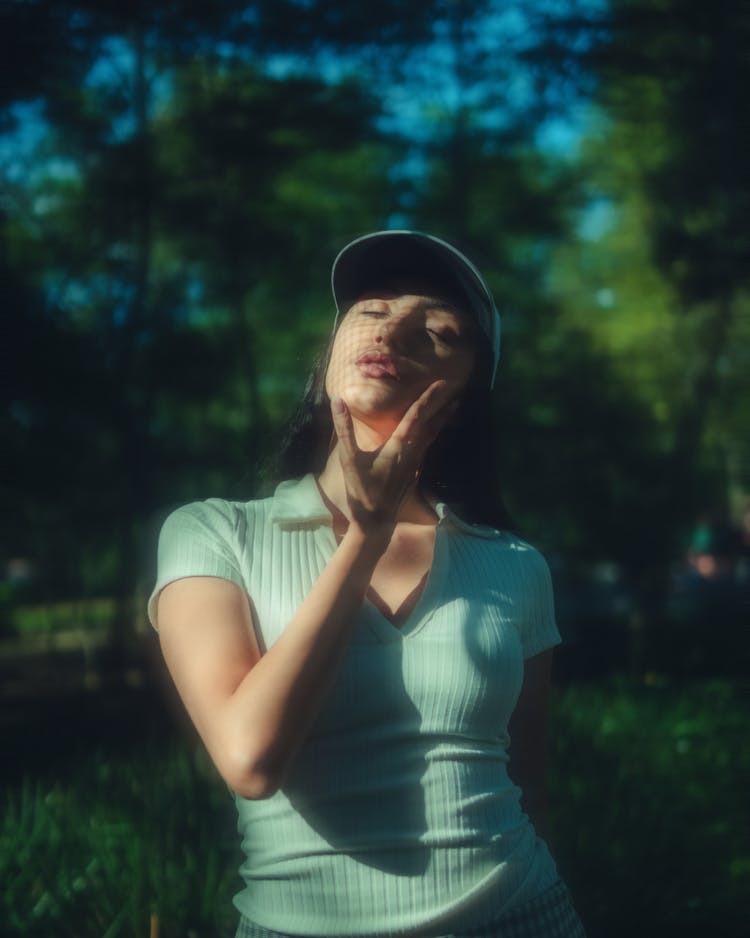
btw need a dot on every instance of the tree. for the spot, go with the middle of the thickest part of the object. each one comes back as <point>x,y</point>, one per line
<point>668,161</point>
<point>676,72</point>
<point>146,225</point>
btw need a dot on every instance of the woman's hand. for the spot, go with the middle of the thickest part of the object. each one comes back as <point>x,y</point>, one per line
<point>377,481</point>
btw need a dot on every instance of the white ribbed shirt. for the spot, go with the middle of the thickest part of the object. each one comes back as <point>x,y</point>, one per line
<point>398,816</point>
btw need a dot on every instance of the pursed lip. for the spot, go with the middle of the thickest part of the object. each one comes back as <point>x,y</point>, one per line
<point>383,359</point>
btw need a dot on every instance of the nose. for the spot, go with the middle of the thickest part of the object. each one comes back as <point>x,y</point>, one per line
<point>395,330</point>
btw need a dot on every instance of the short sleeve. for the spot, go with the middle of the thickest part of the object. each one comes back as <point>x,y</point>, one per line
<point>196,540</point>
<point>539,630</point>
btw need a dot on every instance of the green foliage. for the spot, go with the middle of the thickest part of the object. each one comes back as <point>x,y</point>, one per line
<point>649,824</point>
<point>157,317</point>
<point>120,838</point>
<point>169,231</point>
<point>671,160</point>
<point>649,805</point>
<point>51,617</point>
<point>653,275</point>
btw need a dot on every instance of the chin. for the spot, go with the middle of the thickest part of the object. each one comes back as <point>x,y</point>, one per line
<point>375,404</point>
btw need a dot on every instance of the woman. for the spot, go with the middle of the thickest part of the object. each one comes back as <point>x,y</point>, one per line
<point>351,649</point>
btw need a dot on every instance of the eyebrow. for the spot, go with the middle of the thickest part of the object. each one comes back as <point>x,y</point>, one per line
<point>444,306</point>
<point>441,305</point>
<point>433,304</point>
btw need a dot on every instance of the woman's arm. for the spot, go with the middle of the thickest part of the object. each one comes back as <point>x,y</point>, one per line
<point>253,712</point>
<point>528,739</point>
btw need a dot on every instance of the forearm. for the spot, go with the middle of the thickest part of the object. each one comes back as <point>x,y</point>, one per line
<point>269,715</point>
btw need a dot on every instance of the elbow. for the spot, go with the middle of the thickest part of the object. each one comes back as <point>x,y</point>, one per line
<point>253,779</point>
<point>254,786</point>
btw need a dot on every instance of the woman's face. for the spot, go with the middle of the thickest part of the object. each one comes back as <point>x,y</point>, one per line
<point>392,344</point>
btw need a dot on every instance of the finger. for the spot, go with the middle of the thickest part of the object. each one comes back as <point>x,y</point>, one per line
<point>342,424</point>
<point>428,430</point>
<point>428,405</point>
<point>437,395</point>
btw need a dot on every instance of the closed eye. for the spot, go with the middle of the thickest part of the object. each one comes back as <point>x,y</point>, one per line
<point>447,336</point>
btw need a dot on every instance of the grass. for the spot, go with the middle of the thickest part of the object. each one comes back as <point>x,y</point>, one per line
<point>651,819</point>
<point>77,615</point>
<point>650,824</point>
<point>116,841</point>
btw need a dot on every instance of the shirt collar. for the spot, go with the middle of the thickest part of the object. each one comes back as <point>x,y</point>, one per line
<point>447,515</point>
<point>299,502</point>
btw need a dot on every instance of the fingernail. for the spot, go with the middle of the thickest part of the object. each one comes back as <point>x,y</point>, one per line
<point>337,405</point>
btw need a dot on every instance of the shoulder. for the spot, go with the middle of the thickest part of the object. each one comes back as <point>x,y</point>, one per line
<point>521,567</point>
<point>499,553</point>
<point>490,540</point>
<point>210,512</point>
<point>524,552</point>
<point>510,546</point>
<point>521,573</point>
<point>204,538</point>
<point>529,562</point>
<point>535,597</point>
<point>215,516</point>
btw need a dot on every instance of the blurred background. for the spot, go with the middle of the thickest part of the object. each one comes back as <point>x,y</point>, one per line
<point>176,179</point>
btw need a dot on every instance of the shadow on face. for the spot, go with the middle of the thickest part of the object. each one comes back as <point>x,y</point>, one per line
<point>393,342</point>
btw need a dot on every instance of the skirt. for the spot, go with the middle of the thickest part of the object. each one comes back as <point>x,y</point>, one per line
<point>550,915</point>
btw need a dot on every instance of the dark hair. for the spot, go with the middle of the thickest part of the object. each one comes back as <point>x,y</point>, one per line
<point>460,467</point>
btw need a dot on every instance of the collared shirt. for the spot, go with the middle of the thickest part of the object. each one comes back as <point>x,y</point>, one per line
<point>397,814</point>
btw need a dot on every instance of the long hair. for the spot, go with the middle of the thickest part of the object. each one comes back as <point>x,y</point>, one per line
<point>460,467</point>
